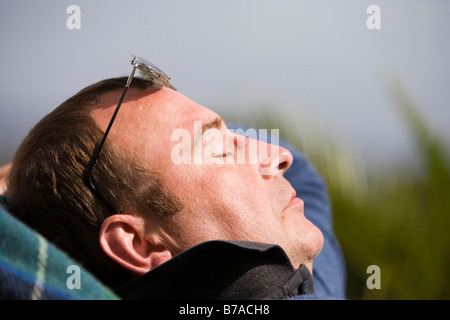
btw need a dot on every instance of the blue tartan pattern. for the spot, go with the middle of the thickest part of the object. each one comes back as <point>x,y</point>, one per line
<point>31,268</point>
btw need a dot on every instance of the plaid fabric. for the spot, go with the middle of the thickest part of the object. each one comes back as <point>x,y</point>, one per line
<point>32,268</point>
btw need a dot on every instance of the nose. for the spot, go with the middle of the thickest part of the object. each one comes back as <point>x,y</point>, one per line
<point>273,160</point>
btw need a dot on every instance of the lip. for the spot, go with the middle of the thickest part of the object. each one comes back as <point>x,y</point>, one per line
<point>294,202</point>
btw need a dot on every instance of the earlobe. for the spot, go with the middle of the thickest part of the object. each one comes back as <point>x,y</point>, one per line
<point>124,239</point>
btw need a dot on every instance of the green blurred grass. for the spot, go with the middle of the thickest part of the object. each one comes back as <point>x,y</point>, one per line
<point>395,216</point>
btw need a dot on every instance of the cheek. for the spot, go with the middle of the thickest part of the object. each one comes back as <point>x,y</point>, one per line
<point>243,205</point>
<point>237,190</point>
<point>220,202</point>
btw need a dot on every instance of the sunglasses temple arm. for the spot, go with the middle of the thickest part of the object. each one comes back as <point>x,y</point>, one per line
<point>100,146</point>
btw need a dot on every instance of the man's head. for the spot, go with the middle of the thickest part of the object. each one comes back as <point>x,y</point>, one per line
<point>47,189</point>
<point>165,207</point>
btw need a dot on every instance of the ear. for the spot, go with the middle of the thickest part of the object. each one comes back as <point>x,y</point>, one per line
<point>124,238</point>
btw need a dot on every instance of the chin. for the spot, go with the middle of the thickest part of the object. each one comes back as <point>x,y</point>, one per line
<point>307,247</point>
<point>314,244</point>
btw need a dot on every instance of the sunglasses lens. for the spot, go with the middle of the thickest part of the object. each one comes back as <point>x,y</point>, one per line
<point>151,72</point>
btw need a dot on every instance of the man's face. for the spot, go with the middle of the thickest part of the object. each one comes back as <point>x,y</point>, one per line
<point>223,197</point>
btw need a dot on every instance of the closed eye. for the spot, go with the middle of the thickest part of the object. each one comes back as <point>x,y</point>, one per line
<point>225,154</point>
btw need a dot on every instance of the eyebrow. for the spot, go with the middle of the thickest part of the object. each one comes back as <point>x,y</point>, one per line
<point>216,123</point>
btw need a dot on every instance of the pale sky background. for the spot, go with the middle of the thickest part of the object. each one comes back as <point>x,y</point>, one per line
<point>315,58</point>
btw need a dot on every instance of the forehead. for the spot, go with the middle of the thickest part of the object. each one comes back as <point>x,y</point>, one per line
<point>148,118</point>
<point>171,106</point>
<point>164,105</point>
